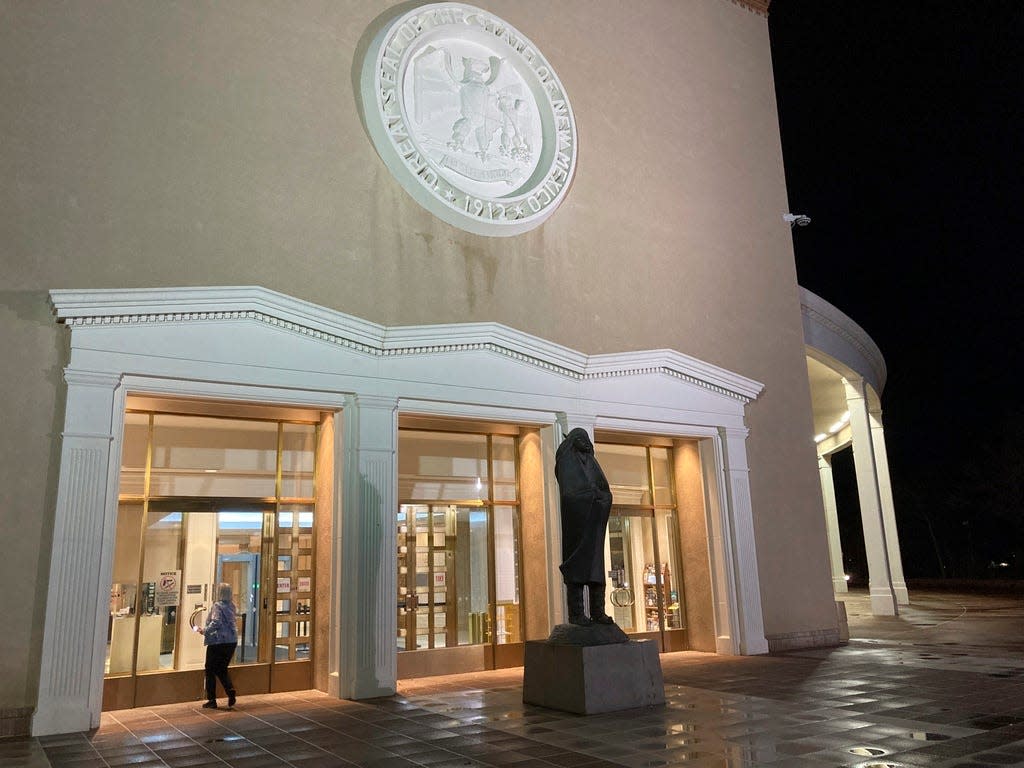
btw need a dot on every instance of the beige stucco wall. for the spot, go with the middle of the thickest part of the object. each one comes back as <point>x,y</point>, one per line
<point>193,143</point>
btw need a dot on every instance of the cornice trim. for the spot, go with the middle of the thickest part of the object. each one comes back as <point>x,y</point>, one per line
<point>760,7</point>
<point>119,307</point>
<point>821,314</point>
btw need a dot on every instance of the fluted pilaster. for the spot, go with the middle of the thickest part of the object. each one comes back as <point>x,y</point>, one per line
<point>749,638</point>
<point>74,634</point>
<point>368,585</point>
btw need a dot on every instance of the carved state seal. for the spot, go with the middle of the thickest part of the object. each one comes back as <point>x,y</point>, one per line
<point>470,118</point>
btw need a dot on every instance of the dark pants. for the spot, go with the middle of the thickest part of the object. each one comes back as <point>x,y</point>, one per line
<point>217,658</point>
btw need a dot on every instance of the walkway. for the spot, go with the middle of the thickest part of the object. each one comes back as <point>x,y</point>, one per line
<point>941,685</point>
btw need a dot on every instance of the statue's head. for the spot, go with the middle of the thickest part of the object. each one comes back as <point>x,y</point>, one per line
<point>580,440</point>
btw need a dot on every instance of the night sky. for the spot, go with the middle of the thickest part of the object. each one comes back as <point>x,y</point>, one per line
<point>903,136</point>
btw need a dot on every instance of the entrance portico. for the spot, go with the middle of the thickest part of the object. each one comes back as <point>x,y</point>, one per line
<point>847,374</point>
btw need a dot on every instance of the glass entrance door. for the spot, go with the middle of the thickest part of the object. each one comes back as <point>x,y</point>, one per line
<point>645,591</point>
<point>169,561</point>
<point>458,548</point>
<point>205,500</point>
<point>450,591</point>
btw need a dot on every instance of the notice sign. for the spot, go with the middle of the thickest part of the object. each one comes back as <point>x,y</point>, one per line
<point>304,583</point>
<point>284,584</point>
<point>168,589</point>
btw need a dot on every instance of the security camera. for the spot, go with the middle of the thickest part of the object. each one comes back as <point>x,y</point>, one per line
<point>800,219</point>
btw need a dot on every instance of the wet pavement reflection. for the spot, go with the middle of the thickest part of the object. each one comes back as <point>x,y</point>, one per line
<point>942,685</point>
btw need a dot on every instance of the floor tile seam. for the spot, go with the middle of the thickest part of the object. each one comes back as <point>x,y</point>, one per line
<point>241,736</point>
<point>91,746</point>
<point>159,716</point>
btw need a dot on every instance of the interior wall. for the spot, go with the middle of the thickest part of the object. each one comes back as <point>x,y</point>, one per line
<point>534,570</point>
<point>323,604</point>
<point>693,545</point>
<point>161,144</point>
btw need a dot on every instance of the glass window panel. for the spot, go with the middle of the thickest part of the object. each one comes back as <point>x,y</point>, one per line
<point>281,652</point>
<point>301,651</point>
<point>282,629</point>
<point>662,465</point>
<point>625,466</point>
<point>133,454</point>
<point>442,465</point>
<point>471,565</point>
<point>284,606</point>
<point>506,558</point>
<point>238,564</point>
<point>298,448</point>
<point>304,562</point>
<point>124,590</point>
<point>204,456</point>
<point>503,453</point>
<point>157,621</point>
<point>302,628</point>
<point>632,599</point>
<point>284,562</point>
<point>284,541</point>
<point>672,570</point>
<point>284,520</point>
<point>305,541</point>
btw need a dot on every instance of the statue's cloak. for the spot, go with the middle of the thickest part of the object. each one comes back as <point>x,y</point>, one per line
<point>586,501</point>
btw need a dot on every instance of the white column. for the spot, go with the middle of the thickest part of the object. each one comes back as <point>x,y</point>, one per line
<point>75,628</point>
<point>368,574</point>
<point>740,552</point>
<point>835,545</point>
<point>892,538</point>
<point>883,598</point>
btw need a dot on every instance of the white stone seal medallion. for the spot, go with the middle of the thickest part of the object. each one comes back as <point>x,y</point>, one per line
<point>470,118</point>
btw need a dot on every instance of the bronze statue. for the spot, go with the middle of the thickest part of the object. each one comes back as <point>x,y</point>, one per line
<point>586,502</point>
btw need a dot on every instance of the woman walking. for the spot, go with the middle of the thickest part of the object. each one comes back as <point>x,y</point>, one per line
<point>220,638</point>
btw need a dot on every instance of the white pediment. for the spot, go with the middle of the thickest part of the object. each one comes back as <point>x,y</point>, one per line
<point>254,335</point>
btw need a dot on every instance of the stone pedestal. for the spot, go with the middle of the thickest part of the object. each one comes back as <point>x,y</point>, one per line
<point>592,679</point>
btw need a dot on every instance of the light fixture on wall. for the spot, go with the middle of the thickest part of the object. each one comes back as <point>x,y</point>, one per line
<point>798,219</point>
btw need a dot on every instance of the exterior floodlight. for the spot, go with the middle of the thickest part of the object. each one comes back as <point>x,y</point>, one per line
<point>800,219</point>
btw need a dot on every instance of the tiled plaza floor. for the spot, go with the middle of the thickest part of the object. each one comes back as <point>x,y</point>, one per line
<point>941,685</point>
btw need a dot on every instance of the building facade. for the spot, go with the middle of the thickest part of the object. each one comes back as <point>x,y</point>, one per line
<point>249,351</point>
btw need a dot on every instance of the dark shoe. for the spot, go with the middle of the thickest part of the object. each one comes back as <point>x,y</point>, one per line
<point>231,699</point>
<point>597,614</point>
<point>574,597</point>
<point>211,704</point>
